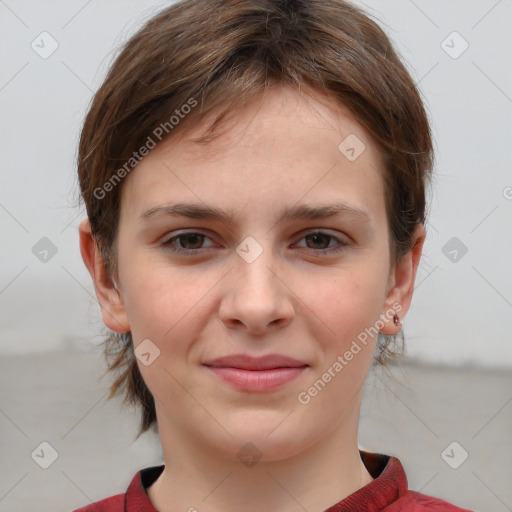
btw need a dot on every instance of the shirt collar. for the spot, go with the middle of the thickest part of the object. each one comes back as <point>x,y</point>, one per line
<point>389,484</point>
<point>136,499</point>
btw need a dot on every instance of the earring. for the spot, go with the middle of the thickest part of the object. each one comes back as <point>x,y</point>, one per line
<point>396,320</point>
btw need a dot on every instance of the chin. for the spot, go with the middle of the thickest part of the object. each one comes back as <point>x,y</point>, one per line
<point>269,440</point>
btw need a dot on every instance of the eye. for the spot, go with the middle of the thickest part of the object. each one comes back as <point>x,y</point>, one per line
<point>321,238</point>
<point>188,243</point>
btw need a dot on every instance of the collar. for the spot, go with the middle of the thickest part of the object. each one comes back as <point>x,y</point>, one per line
<point>389,484</point>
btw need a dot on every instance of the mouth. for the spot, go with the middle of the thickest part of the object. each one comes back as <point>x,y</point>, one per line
<point>256,374</point>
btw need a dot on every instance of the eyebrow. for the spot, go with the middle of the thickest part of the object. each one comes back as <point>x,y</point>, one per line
<point>298,212</point>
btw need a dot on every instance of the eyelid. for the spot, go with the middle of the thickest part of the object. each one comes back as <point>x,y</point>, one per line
<point>328,232</point>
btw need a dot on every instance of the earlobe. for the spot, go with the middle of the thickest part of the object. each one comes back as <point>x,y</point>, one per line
<point>402,277</point>
<point>109,297</point>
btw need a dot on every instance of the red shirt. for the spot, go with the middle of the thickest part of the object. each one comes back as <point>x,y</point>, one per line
<point>387,492</point>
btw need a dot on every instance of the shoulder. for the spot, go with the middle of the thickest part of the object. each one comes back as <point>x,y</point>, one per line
<point>416,502</point>
<point>111,504</point>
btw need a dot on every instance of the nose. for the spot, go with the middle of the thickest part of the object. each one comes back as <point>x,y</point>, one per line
<point>258,296</point>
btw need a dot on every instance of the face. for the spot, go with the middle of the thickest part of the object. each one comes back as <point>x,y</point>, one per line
<point>258,281</point>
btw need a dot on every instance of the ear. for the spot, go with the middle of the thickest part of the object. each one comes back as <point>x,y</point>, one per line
<point>401,283</point>
<point>109,297</point>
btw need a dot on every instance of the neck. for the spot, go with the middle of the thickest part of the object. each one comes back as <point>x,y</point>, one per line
<point>197,477</point>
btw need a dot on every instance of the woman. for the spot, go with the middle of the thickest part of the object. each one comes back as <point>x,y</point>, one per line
<point>254,176</point>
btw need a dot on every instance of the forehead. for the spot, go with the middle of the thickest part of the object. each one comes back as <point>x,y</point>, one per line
<point>276,110</point>
<point>284,147</point>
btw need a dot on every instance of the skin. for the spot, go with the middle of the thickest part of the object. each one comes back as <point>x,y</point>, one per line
<point>282,150</point>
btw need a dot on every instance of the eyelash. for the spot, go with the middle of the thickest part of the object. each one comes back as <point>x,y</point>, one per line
<point>190,252</point>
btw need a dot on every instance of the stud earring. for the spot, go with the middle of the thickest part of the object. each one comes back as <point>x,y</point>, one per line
<point>396,320</point>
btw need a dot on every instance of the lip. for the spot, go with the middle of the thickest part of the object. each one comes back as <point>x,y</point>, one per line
<point>246,362</point>
<point>256,374</point>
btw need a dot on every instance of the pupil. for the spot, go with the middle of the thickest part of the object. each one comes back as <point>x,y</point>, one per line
<point>193,236</point>
<point>317,236</point>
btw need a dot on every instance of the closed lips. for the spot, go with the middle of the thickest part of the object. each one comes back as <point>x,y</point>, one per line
<point>249,374</point>
<point>246,362</point>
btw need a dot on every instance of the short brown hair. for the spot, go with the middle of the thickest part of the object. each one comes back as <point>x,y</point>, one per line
<point>221,54</point>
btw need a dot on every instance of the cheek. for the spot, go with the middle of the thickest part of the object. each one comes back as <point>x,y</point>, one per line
<point>345,304</point>
<point>349,305</point>
<point>161,302</point>
<point>168,308</point>
<point>166,303</point>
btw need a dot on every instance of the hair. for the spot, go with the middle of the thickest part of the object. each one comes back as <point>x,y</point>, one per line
<point>215,56</point>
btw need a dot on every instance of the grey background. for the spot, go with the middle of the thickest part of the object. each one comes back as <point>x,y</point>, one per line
<point>459,350</point>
